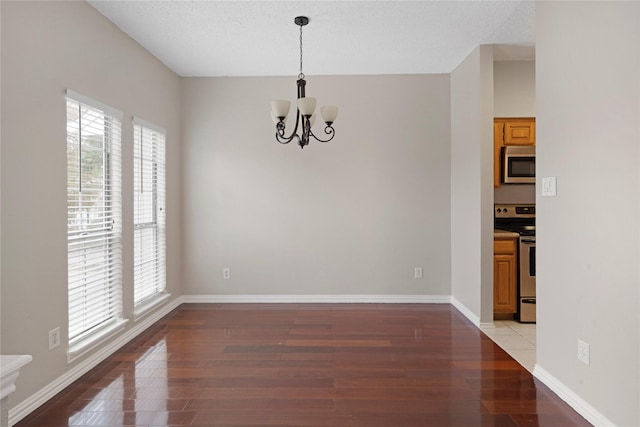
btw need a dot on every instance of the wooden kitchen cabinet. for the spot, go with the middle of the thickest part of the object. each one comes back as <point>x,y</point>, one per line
<point>505,257</point>
<point>510,131</point>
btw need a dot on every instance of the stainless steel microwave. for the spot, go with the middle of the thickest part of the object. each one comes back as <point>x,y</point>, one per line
<point>519,165</point>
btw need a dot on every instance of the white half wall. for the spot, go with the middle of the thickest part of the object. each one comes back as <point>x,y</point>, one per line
<point>472,184</point>
<point>588,237</point>
<point>352,217</point>
<point>48,47</point>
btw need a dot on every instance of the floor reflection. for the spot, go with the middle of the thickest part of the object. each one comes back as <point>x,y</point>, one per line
<point>136,393</point>
<point>108,402</point>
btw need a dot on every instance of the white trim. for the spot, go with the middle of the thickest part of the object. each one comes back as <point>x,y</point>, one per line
<point>572,399</point>
<point>145,124</point>
<point>96,104</point>
<point>346,299</point>
<point>465,311</point>
<point>88,344</point>
<point>145,308</point>
<point>34,401</point>
<point>10,366</point>
<point>95,339</point>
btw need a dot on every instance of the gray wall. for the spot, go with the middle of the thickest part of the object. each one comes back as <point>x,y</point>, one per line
<point>48,47</point>
<point>472,185</point>
<point>588,238</point>
<point>514,88</point>
<point>350,217</point>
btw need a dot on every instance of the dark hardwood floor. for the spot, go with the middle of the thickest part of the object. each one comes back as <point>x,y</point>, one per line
<point>308,365</point>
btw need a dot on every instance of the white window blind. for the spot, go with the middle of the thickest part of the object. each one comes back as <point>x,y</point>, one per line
<point>94,219</point>
<point>149,213</point>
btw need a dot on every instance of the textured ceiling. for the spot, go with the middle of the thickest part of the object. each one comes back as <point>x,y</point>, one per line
<point>259,38</point>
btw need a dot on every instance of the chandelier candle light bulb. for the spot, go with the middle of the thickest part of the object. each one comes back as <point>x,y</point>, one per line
<point>306,107</point>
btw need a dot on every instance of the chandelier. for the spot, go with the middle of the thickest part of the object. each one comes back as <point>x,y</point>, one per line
<point>305,112</point>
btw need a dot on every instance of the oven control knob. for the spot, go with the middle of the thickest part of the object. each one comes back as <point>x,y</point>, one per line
<point>505,209</point>
<point>499,210</point>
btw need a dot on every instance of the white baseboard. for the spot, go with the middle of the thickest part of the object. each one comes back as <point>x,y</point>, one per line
<point>30,404</point>
<point>347,299</point>
<point>465,311</point>
<point>487,325</point>
<point>576,402</point>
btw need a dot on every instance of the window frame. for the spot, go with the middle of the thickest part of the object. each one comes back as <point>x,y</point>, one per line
<point>150,283</point>
<point>94,235</point>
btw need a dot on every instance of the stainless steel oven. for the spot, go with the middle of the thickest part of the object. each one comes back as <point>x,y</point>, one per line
<point>521,219</point>
<point>527,288</point>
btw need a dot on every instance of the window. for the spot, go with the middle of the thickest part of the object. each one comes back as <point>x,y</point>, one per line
<point>149,241</point>
<point>94,222</point>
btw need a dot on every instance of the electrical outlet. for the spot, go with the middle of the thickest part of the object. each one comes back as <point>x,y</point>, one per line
<point>417,273</point>
<point>54,338</point>
<point>226,273</point>
<point>583,352</point>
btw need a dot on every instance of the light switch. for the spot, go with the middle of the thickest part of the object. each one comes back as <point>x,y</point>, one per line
<point>549,186</point>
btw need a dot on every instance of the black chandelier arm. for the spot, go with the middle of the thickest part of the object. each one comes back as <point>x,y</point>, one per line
<point>307,133</point>
<point>280,127</point>
<point>328,130</point>
<point>282,140</point>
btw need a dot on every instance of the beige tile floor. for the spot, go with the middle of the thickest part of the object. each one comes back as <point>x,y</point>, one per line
<point>517,339</point>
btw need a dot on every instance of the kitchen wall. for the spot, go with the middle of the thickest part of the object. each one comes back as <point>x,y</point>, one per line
<point>588,236</point>
<point>48,47</point>
<point>514,95</point>
<point>514,88</point>
<point>472,185</point>
<point>337,221</point>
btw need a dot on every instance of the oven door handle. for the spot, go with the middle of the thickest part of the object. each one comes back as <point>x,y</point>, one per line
<point>529,301</point>
<point>527,240</point>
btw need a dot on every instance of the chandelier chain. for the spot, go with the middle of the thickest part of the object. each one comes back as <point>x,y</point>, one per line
<point>301,75</point>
